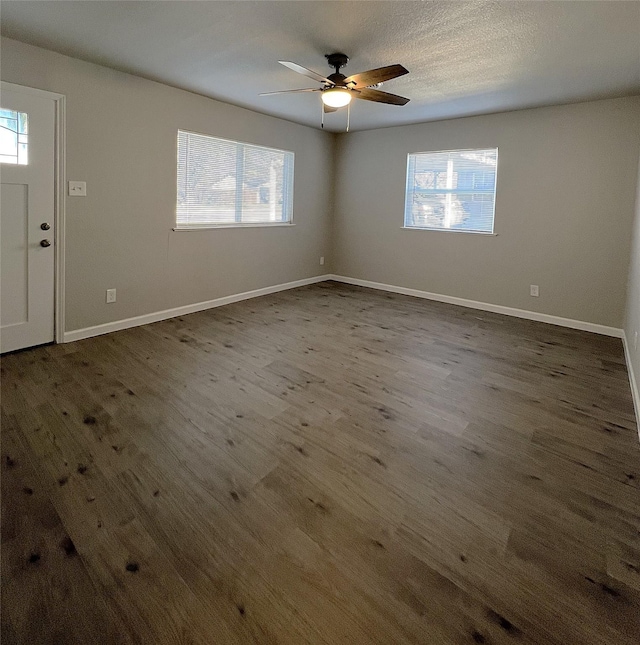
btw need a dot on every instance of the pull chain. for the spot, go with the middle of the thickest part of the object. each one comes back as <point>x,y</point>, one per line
<point>348,116</point>
<point>322,115</point>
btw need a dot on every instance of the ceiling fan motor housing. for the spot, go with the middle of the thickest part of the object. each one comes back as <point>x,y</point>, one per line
<point>337,78</point>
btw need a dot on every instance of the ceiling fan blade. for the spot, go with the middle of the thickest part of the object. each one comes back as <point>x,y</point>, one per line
<point>303,70</point>
<point>380,97</point>
<point>307,89</point>
<point>327,108</point>
<point>375,76</point>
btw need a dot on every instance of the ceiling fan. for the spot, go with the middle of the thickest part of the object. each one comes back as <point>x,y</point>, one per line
<point>338,89</point>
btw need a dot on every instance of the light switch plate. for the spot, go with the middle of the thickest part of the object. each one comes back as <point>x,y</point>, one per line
<point>78,188</point>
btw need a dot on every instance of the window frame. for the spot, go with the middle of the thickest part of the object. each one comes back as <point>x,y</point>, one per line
<point>405,226</point>
<point>236,224</point>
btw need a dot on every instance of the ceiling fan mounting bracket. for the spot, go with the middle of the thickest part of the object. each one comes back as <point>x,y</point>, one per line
<point>337,60</point>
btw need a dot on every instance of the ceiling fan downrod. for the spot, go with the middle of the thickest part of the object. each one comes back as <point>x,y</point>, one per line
<point>337,61</point>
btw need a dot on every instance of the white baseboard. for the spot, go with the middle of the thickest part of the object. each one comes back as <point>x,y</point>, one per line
<point>635,393</point>
<point>485,306</point>
<point>117,325</point>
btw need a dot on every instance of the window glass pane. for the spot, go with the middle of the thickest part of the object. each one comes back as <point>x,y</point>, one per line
<point>206,180</point>
<point>22,122</point>
<point>262,190</point>
<point>452,190</point>
<point>22,154</point>
<point>13,146</point>
<point>224,183</point>
<point>9,124</point>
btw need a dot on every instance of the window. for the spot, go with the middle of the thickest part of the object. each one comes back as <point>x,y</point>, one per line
<point>13,137</point>
<point>225,183</point>
<point>453,190</point>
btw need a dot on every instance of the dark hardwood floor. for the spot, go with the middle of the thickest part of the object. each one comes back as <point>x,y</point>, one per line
<point>325,465</point>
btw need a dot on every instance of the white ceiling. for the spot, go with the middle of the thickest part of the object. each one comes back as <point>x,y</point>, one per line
<point>464,57</point>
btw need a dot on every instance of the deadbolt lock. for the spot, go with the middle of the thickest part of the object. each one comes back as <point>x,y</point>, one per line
<point>45,226</point>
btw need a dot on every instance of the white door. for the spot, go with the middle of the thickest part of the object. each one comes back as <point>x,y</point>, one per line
<point>27,157</point>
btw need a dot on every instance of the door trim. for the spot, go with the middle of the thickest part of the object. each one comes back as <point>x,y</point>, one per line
<point>60,145</point>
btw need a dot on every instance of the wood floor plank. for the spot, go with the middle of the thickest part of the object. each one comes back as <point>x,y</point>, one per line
<point>47,594</point>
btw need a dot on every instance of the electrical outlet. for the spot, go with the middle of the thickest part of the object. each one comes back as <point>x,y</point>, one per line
<point>322,260</point>
<point>534,290</point>
<point>78,188</point>
<point>111,295</point>
<point>635,340</point>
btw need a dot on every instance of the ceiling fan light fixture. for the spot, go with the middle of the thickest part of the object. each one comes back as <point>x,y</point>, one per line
<point>336,97</point>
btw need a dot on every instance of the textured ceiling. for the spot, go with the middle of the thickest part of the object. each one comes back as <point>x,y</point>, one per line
<point>464,57</point>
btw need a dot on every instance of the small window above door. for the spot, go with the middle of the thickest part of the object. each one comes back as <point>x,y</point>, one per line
<point>14,137</point>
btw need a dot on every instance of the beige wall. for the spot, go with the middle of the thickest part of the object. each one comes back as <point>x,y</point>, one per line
<point>121,140</point>
<point>564,210</point>
<point>632,321</point>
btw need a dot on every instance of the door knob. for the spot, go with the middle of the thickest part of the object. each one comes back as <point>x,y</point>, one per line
<point>45,243</point>
<point>45,226</point>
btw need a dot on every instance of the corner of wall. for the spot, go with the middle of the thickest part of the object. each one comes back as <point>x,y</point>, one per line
<point>330,261</point>
<point>632,313</point>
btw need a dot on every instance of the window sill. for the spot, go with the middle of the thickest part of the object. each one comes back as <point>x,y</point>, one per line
<point>222,226</point>
<point>447,230</point>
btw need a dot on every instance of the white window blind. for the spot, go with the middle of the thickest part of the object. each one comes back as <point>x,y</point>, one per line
<point>226,183</point>
<point>453,190</point>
